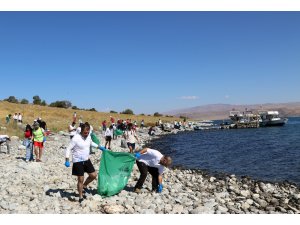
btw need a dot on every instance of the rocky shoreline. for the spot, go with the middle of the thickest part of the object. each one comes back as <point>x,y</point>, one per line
<point>49,188</point>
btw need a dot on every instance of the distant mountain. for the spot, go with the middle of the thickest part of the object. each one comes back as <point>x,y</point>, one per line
<point>221,111</point>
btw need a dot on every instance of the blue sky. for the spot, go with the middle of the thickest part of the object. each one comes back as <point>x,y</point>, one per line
<point>150,61</point>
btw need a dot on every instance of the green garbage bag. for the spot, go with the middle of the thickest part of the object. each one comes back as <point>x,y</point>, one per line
<point>118,132</point>
<point>95,139</point>
<point>115,170</point>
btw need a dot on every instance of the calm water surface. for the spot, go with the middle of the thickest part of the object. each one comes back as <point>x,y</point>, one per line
<point>270,154</point>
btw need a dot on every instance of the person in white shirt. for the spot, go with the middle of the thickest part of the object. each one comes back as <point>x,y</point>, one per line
<point>20,119</point>
<point>130,136</point>
<point>15,117</point>
<point>152,161</point>
<point>72,130</point>
<point>80,149</point>
<point>108,136</point>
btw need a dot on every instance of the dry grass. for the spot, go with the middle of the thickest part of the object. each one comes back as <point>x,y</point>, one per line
<point>59,119</point>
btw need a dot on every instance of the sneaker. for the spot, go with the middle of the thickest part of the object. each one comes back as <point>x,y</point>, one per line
<point>27,160</point>
<point>85,190</point>
<point>81,200</point>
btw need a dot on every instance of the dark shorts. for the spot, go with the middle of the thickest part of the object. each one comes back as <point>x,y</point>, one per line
<point>108,138</point>
<point>80,168</point>
<point>131,144</point>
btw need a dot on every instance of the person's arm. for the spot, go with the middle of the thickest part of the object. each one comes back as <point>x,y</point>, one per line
<point>136,137</point>
<point>160,178</point>
<point>143,151</point>
<point>68,150</point>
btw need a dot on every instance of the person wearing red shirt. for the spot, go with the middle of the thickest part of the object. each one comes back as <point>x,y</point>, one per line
<point>28,143</point>
<point>112,120</point>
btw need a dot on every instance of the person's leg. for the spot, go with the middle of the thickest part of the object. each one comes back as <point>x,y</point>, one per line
<point>31,151</point>
<point>91,178</point>
<point>109,144</point>
<point>36,152</point>
<point>154,173</point>
<point>130,147</point>
<point>105,144</point>
<point>89,168</point>
<point>8,147</point>
<point>80,186</point>
<point>40,153</point>
<point>143,168</point>
<point>28,150</point>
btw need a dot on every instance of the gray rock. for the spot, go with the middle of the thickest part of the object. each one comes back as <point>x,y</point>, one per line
<point>245,193</point>
<point>262,203</point>
<point>250,201</point>
<point>147,211</point>
<point>202,210</point>
<point>222,209</point>
<point>4,205</point>
<point>113,209</point>
<point>14,138</point>
<point>21,147</point>
<point>177,209</point>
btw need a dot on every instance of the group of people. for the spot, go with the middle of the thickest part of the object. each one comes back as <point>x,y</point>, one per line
<point>148,160</point>
<point>34,139</point>
<point>17,117</point>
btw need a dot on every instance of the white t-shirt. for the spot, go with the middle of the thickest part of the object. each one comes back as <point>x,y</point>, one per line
<point>20,117</point>
<point>108,132</point>
<point>80,148</point>
<point>73,130</point>
<point>152,158</point>
<point>78,130</point>
<point>130,136</point>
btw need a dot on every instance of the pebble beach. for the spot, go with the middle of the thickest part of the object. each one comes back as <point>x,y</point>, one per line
<point>50,188</point>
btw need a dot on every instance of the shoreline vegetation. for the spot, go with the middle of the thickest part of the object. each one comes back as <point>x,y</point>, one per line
<point>49,187</point>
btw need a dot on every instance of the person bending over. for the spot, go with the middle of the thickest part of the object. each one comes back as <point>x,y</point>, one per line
<point>152,161</point>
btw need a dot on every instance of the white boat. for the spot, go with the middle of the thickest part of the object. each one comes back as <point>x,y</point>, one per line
<point>205,125</point>
<point>271,118</point>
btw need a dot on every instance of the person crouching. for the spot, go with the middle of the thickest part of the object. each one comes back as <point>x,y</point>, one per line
<point>152,161</point>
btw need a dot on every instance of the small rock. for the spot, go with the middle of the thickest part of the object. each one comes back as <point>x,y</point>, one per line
<point>113,209</point>
<point>147,211</point>
<point>177,209</point>
<point>22,147</point>
<point>222,209</point>
<point>14,138</point>
<point>212,179</point>
<point>245,193</point>
<point>250,201</point>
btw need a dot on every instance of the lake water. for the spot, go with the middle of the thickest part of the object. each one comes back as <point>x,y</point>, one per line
<point>269,154</point>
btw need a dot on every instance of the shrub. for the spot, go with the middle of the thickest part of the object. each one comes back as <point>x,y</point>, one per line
<point>24,101</point>
<point>157,114</point>
<point>36,100</point>
<point>43,103</point>
<point>128,111</point>
<point>12,99</point>
<point>61,104</point>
